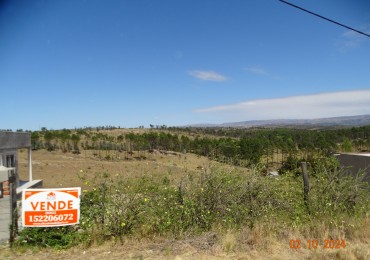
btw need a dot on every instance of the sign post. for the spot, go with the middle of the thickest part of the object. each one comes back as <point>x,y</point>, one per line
<point>13,206</point>
<point>50,207</point>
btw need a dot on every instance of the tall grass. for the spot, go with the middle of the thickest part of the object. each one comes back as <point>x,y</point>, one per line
<point>216,200</point>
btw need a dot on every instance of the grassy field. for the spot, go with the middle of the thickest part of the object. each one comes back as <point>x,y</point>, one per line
<point>59,169</point>
<point>264,240</point>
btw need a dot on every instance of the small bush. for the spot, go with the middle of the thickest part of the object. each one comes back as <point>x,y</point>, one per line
<point>55,237</point>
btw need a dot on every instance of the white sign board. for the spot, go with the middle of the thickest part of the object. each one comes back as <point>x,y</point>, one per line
<point>50,207</point>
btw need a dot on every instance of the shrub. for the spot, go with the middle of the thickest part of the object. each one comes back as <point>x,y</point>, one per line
<point>151,207</point>
<point>55,237</point>
<point>115,208</point>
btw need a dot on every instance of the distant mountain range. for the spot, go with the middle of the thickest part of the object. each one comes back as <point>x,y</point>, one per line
<point>343,121</point>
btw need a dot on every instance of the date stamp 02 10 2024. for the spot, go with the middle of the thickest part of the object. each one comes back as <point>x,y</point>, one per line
<point>313,244</point>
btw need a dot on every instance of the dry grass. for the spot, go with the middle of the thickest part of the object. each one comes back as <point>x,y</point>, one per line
<point>59,169</point>
<point>233,244</point>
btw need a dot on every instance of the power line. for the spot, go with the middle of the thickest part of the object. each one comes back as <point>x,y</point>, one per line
<point>322,17</point>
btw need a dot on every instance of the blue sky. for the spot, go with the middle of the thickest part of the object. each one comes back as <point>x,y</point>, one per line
<point>75,63</point>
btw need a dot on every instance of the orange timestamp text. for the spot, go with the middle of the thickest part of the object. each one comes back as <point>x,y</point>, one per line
<point>313,244</point>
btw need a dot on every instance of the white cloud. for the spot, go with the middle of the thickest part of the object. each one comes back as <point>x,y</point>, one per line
<point>257,70</point>
<point>344,103</point>
<point>207,75</point>
<point>351,39</point>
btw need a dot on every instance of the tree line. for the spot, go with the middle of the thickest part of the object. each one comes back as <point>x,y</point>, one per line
<point>235,146</point>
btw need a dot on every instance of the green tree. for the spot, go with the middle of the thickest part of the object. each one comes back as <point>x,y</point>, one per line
<point>251,149</point>
<point>35,141</point>
<point>48,137</point>
<point>75,139</point>
<point>347,145</point>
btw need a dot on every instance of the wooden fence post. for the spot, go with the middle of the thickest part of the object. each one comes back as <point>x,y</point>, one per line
<point>103,187</point>
<point>13,207</point>
<point>306,185</point>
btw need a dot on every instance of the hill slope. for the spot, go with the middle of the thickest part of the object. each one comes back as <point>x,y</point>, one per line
<point>344,121</point>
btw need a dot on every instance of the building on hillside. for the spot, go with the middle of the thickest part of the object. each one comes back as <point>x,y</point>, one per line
<point>356,162</point>
<point>10,143</point>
